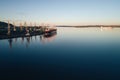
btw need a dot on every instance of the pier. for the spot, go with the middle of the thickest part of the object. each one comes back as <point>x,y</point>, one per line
<point>23,30</point>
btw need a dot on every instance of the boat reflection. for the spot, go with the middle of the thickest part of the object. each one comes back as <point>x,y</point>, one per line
<point>10,43</point>
<point>22,40</point>
<point>28,41</point>
<point>48,37</point>
<point>44,39</point>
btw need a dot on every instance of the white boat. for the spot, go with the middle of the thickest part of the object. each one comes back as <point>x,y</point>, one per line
<point>28,34</point>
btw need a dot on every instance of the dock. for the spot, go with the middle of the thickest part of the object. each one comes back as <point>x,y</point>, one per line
<point>24,31</point>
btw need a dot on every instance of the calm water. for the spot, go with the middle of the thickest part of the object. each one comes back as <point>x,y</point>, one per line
<point>71,54</point>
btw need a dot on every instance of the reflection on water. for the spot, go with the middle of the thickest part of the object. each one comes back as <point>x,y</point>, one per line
<point>45,38</point>
<point>22,40</point>
<point>74,54</point>
<point>10,42</point>
<point>106,28</point>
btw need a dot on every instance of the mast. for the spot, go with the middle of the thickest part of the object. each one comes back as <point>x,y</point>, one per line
<point>14,26</point>
<point>25,25</point>
<point>21,26</point>
<point>8,28</point>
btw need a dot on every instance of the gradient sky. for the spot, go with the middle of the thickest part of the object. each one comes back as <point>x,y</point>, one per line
<point>61,12</point>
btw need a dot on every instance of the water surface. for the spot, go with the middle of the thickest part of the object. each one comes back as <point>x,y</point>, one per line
<point>72,53</point>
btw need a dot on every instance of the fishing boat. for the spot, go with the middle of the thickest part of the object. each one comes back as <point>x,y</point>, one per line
<point>49,30</point>
<point>27,34</point>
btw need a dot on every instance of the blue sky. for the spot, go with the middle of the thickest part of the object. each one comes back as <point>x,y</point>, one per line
<point>61,12</point>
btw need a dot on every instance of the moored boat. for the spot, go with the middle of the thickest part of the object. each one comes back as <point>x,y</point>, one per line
<point>49,30</point>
